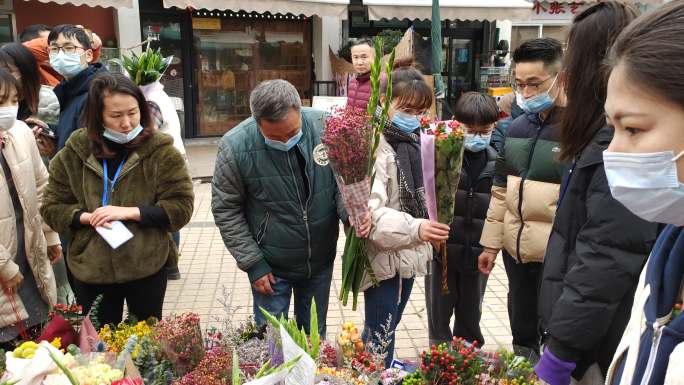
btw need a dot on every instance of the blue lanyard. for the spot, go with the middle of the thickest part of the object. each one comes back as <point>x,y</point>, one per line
<point>105,190</point>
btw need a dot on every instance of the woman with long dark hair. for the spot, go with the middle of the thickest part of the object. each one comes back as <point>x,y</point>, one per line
<point>119,174</point>
<point>39,106</point>
<point>597,247</point>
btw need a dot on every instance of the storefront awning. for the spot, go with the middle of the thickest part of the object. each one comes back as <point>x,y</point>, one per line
<point>449,9</point>
<point>337,8</point>
<point>645,2</point>
<point>90,3</point>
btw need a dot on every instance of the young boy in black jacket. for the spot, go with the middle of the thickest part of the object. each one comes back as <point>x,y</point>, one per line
<point>478,113</point>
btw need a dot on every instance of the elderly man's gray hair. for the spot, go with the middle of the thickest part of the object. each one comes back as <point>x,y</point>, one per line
<point>273,99</point>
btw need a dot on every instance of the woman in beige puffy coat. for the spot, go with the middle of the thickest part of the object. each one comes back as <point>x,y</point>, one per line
<point>400,238</point>
<point>27,245</point>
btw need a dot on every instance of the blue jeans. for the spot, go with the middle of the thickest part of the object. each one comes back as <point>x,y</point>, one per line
<point>318,287</point>
<point>382,302</point>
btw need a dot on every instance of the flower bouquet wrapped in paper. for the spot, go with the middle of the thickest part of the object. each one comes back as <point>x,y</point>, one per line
<point>351,138</point>
<point>347,139</point>
<point>442,150</point>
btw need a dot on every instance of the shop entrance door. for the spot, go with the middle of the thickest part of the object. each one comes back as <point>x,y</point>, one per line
<point>462,64</point>
<point>172,31</point>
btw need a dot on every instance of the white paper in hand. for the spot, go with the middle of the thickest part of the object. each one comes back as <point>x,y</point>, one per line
<point>117,235</point>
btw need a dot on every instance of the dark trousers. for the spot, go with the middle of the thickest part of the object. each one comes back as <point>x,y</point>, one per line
<point>144,297</point>
<point>524,280</point>
<point>463,302</point>
<point>387,300</point>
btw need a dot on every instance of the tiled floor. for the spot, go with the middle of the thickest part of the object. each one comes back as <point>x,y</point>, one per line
<point>209,272</point>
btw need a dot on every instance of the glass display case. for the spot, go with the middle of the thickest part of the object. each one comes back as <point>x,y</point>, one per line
<point>233,55</point>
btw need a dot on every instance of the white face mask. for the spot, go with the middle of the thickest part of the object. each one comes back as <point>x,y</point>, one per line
<point>647,185</point>
<point>8,116</point>
<point>121,138</point>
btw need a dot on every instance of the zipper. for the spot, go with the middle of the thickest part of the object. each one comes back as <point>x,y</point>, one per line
<point>305,215</point>
<point>658,327</point>
<point>520,195</point>
<point>262,229</point>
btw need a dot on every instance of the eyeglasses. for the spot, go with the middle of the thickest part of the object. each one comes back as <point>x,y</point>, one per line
<point>67,48</point>
<point>517,86</point>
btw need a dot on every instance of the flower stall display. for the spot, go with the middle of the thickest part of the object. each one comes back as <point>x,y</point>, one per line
<point>442,155</point>
<point>176,351</point>
<point>460,362</point>
<point>115,338</point>
<point>182,341</point>
<point>349,341</point>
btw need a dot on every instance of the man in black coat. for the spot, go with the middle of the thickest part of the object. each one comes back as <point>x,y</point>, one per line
<point>71,55</point>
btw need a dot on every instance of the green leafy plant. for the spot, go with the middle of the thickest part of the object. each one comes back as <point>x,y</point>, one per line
<point>146,68</point>
<point>266,369</point>
<point>311,344</point>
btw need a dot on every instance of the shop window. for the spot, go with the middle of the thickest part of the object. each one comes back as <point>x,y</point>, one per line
<point>236,54</point>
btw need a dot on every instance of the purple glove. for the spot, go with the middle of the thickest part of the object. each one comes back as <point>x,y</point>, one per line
<point>553,370</point>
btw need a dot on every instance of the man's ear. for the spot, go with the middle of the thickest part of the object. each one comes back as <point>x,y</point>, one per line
<point>89,56</point>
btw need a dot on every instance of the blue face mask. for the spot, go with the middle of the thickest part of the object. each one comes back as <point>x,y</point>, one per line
<point>537,103</point>
<point>405,122</point>
<point>476,143</point>
<point>284,146</point>
<point>68,65</point>
<point>121,138</point>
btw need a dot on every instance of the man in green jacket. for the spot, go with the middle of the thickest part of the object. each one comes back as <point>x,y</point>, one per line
<point>275,201</point>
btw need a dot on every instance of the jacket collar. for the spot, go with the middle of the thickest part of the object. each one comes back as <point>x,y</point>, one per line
<point>80,144</point>
<point>362,78</point>
<point>664,273</point>
<point>593,153</point>
<point>554,117</point>
<point>79,84</point>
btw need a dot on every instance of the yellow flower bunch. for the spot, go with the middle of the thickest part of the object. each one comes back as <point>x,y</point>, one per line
<point>57,343</point>
<point>327,374</point>
<point>116,338</point>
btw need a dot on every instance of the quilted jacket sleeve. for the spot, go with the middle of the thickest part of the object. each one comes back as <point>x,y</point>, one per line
<point>227,202</point>
<point>492,233</point>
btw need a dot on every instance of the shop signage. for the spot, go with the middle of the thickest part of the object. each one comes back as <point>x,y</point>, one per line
<point>556,7</point>
<point>206,23</point>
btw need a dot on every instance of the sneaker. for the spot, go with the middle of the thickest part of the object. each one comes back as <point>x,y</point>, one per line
<point>172,273</point>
